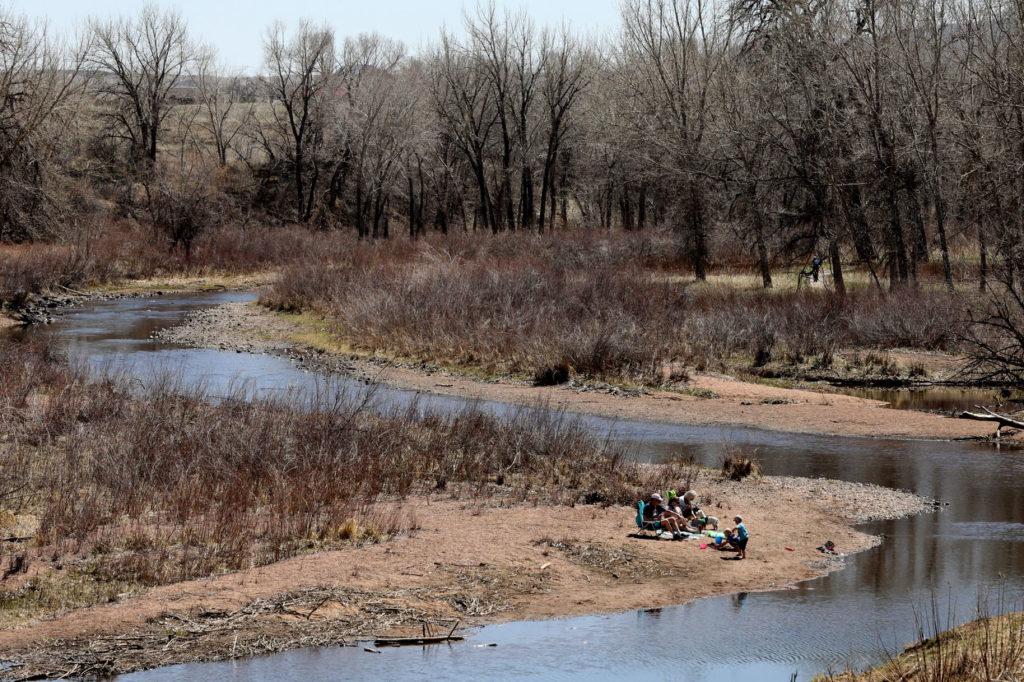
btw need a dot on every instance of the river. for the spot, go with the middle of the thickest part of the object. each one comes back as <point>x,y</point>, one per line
<point>974,546</point>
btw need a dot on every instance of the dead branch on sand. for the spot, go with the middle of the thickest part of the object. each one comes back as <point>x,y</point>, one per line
<point>990,416</point>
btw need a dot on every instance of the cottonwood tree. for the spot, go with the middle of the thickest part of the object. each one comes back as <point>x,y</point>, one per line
<point>140,61</point>
<point>670,53</point>
<point>40,87</point>
<point>566,72</point>
<point>376,119</point>
<point>223,116</point>
<point>926,43</point>
<point>746,143</point>
<point>299,81</point>
<point>808,127</point>
<point>505,50</point>
<point>993,132</point>
<point>460,93</point>
<point>870,67</point>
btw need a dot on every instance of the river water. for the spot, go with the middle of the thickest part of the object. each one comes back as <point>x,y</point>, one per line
<point>945,399</point>
<point>974,546</point>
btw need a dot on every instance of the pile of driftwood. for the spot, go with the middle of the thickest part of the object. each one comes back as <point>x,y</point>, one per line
<point>263,626</point>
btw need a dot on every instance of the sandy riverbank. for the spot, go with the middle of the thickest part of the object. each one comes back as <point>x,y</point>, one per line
<point>706,399</point>
<point>476,562</point>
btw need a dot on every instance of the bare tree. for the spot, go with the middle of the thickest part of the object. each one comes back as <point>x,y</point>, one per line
<point>671,51</point>
<point>40,84</point>
<point>140,61</point>
<point>566,75</point>
<point>467,117</point>
<point>377,116</point>
<point>299,81</point>
<point>926,39</point>
<point>224,116</point>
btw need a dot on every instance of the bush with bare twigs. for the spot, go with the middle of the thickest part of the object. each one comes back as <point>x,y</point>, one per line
<point>527,305</point>
<point>112,475</point>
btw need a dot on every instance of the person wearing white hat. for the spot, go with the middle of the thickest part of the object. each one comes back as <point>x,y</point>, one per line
<point>655,511</point>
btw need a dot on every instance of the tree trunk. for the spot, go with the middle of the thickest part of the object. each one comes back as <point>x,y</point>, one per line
<point>626,210</point>
<point>360,217</point>
<point>940,206</point>
<point>898,265</point>
<point>698,235</point>
<point>526,199</point>
<point>420,211</point>
<point>641,209</point>
<point>835,257</point>
<point>544,181</point>
<point>412,209</point>
<point>300,191</point>
<point>982,258</point>
<point>762,251</point>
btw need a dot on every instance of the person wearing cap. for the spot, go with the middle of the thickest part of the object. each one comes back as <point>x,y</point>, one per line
<point>655,510</point>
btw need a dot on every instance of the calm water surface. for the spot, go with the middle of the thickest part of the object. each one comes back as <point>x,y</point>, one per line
<point>976,544</point>
<point>946,399</point>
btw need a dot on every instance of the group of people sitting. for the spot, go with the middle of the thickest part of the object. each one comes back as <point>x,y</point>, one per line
<point>682,517</point>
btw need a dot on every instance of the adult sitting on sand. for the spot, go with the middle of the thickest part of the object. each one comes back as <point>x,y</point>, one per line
<point>675,503</point>
<point>696,520</point>
<point>655,510</point>
<point>690,504</point>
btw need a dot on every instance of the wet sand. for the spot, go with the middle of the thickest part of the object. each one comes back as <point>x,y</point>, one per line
<point>478,562</point>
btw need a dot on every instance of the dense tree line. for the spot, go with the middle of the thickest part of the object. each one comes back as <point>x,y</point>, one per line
<point>889,134</point>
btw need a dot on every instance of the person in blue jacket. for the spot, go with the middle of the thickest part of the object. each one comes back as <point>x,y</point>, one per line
<point>740,537</point>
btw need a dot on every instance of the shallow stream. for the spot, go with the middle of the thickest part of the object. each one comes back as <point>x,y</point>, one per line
<point>850,617</point>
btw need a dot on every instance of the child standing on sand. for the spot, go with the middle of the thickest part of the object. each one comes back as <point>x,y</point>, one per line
<point>739,538</point>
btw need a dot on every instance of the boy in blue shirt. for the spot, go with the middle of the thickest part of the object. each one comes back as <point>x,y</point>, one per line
<point>740,537</point>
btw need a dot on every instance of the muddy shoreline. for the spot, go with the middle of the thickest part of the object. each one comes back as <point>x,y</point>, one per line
<point>543,562</point>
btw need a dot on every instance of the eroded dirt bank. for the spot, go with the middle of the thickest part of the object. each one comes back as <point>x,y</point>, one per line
<point>476,562</point>
<point>705,399</point>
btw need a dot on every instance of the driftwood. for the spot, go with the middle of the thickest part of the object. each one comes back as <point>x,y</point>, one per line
<point>428,637</point>
<point>990,416</point>
<point>411,641</point>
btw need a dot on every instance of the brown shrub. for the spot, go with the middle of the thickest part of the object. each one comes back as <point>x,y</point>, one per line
<point>115,473</point>
<point>525,304</point>
<point>737,468</point>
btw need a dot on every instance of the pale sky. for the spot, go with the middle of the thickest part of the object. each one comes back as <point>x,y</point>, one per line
<point>236,26</point>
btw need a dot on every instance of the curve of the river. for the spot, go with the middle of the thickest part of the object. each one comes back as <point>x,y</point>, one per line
<point>943,560</point>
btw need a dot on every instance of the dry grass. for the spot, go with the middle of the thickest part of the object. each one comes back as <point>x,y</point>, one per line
<point>111,476</point>
<point>737,467</point>
<point>986,650</point>
<point>546,308</point>
<point>121,253</point>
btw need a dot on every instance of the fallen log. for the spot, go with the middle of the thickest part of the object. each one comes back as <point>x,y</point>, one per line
<point>990,416</point>
<point>413,641</point>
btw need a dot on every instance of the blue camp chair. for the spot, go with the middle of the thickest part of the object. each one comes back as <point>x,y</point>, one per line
<point>644,525</point>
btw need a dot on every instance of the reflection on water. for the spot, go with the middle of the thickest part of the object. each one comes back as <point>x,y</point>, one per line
<point>940,398</point>
<point>976,543</point>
